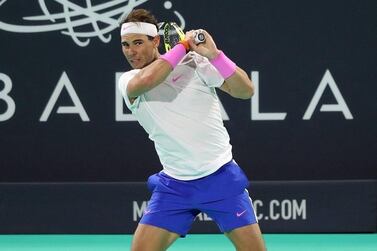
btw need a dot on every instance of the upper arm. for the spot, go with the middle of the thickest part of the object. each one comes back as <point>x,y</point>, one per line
<point>123,84</point>
<point>148,78</point>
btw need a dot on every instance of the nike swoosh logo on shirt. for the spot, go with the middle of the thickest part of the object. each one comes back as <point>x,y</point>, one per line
<point>240,214</point>
<point>176,78</point>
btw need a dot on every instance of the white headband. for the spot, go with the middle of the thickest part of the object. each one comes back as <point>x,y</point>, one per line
<point>139,28</point>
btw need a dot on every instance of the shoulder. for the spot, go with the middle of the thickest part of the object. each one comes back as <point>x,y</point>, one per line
<point>205,70</point>
<point>195,61</point>
<point>128,74</point>
<point>192,55</point>
<point>124,79</point>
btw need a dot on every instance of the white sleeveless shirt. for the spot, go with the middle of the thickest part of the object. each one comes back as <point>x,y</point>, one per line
<point>183,118</point>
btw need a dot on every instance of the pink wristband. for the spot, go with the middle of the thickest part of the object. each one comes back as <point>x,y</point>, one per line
<point>174,55</point>
<point>224,65</point>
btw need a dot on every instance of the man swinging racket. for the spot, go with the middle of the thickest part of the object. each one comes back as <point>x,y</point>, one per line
<point>174,98</point>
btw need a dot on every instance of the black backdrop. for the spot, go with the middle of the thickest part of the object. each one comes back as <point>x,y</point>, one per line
<point>292,46</point>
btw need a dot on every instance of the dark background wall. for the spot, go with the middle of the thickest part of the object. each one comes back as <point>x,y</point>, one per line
<point>294,47</point>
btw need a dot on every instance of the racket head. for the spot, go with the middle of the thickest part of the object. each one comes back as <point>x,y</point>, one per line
<point>170,35</point>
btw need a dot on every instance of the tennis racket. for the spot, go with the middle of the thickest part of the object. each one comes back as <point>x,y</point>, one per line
<point>171,34</point>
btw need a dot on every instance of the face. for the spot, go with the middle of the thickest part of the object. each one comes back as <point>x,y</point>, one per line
<point>139,50</point>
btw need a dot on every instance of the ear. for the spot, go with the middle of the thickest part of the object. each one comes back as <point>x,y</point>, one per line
<point>156,41</point>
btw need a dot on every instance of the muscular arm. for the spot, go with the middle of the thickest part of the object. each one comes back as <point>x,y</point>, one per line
<point>148,78</point>
<point>238,85</point>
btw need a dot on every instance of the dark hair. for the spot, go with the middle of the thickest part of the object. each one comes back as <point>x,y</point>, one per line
<point>139,15</point>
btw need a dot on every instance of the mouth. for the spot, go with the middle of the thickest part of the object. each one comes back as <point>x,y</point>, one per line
<point>133,60</point>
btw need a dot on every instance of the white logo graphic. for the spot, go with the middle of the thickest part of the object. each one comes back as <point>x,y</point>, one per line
<point>76,16</point>
<point>3,1</point>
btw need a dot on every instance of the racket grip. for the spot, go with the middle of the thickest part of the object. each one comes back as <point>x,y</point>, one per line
<point>224,65</point>
<point>175,55</point>
<point>199,37</point>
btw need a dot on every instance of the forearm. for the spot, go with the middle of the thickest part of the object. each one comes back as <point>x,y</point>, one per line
<point>149,77</point>
<point>156,72</point>
<point>236,82</point>
<point>239,85</point>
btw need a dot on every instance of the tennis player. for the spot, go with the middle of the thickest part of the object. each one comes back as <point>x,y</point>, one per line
<point>174,98</point>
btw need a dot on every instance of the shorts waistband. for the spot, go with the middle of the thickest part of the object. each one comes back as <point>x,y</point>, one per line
<point>219,170</point>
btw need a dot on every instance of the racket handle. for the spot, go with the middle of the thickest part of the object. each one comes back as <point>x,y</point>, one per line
<point>199,37</point>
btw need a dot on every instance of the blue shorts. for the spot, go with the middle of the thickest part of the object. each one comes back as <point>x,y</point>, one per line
<point>222,196</point>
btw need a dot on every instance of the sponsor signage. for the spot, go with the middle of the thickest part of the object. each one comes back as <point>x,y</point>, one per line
<point>280,206</point>
<point>312,115</point>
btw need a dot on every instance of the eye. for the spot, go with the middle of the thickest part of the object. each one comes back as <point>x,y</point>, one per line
<point>124,44</point>
<point>138,43</point>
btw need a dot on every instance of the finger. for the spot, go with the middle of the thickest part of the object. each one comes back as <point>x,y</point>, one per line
<point>192,44</point>
<point>189,33</point>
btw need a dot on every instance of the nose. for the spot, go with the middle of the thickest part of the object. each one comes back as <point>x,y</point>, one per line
<point>129,51</point>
